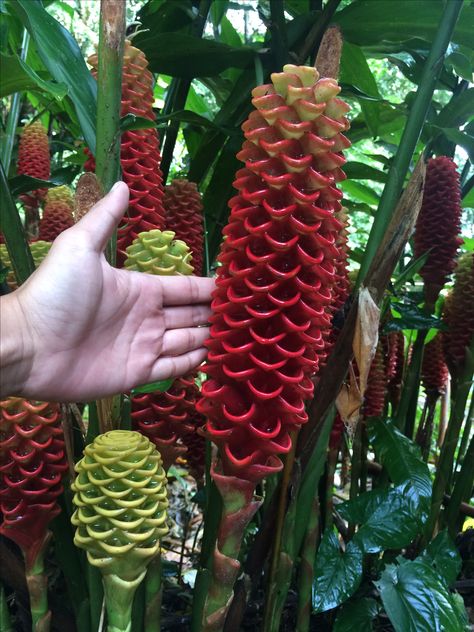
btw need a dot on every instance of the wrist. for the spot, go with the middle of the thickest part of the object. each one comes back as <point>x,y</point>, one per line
<point>16,348</point>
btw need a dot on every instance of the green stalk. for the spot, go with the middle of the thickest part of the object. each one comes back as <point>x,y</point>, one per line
<point>37,582</point>
<point>411,133</point>
<point>466,432</point>
<point>279,41</point>
<point>15,238</point>
<point>5,621</point>
<point>153,595</point>
<point>306,569</point>
<point>461,388</point>
<point>406,411</point>
<point>109,95</point>
<point>461,491</point>
<point>8,139</point>
<point>119,595</point>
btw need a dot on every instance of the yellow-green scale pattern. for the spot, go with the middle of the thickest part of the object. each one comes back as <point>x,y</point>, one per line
<point>158,252</point>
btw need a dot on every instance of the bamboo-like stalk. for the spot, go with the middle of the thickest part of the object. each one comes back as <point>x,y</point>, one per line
<point>15,238</point>
<point>460,389</point>
<point>461,491</point>
<point>411,133</point>
<point>37,582</point>
<point>109,95</point>
<point>466,432</point>
<point>8,139</point>
<point>306,569</point>
<point>153,595</point>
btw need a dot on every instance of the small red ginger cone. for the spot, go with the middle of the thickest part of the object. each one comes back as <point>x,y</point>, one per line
<point>34,160</point>
<point>57,213</point>
<point>438,225</point>
<point>337,433</point>
<point>394,350</point>
<point>32,463</point>
<point>434,372</point>
<point>374,398</point>
<point>169,419</point>
<point>139,151</point>
<point>184,217</point>
<point>459,315</point>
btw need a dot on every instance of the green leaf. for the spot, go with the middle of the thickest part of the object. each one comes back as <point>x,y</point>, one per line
<point>62,57</point>
<point>25,184</point>
<point>355,71</point>
<point>468,200</point>
<point>401,458</point>
<point>416,600</point>
<point>462,139</point>
<point>409,272</point>
<point>411,317</point>
<point>18,76</point>
<point>337,574</point>
<point>358,191</point>
<point>131,122</point>
<point>461,59</point>
<point>442,555</point>
<point>187,56</point>
<point>356,615</point>
<point>388,518</point>
<point>160,386</point>
<point>457,111</point>
<point>361,171</point>
<point>384,25</point>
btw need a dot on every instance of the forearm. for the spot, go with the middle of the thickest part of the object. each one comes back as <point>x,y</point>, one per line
<point>16,349</point>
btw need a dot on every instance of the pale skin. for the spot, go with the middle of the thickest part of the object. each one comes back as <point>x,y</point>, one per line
<point>79,329</point>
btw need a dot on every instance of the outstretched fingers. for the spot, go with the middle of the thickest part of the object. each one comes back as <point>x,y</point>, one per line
<point>189,316</point>
<point>179,341</point>
<point>167,366</point>
<point>185,290</point>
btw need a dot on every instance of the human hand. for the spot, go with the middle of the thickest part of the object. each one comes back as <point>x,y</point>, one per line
<point>79,329</point>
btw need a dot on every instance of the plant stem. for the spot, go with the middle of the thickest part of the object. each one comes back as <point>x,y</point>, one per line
<point>5,621</point>
<point>37,582</point>
<point>278,42</point>
<point>406,412</point>
<point>109,95</point>
<point>153,595</point>
<point>306,569</point>
<point>15,238</point>
<point>411,133</point>
<point>8,139</point>
<point>330,472</point>
<point>314,37</point>
<point>461,491</point>
<point>461,388</point>
<point>119,595</point>
<point>466,432</point>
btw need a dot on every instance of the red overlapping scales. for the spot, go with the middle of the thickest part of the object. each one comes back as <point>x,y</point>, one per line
<point>184,217</point>
<point>34,160</point>
<point>32,464</point>
<point>168,418</point>
<point>459,314</point>
<point>394,351</point>
<point>337,432</point>
<point>277,270</point>
<point>57,213</point>
<point>439,224</point>
<point>374,398</point>
<point>434,371</point>
<point>139,152</point>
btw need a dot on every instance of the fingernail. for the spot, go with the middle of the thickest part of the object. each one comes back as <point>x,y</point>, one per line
<point>116,186</point>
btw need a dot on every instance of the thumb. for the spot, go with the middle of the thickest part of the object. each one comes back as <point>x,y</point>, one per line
<point>103,218</point>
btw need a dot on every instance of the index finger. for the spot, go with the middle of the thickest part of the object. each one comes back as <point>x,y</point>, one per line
<point>186,290</point>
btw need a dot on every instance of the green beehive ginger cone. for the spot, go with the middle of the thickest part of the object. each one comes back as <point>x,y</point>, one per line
<point>158,252</point>
<point>120,500</point>
<point>39,250</point>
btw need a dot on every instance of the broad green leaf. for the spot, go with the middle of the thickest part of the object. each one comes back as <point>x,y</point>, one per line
<point>458,111</point>
<point>337,574</point>
<point>218,11</point>
<point>416,600</point>
<point>411,317</point>
<point>62,57</point>
<point>385,25</point>
<point>462,139</point>
<point>361,171</point>
<point>442,555</point>
<point>24,184</point>
<point>18,76</point>
<point>160,386</point>
<point>388,518</point>
<point>358,191</point>
<point>167,16</point>
<point>461,59</point>
<point>131,122</point>
<point>355,71</point>
<point>402,459</point>
<point>468,200</point>
<point>356,615</point>
<point>187,56</point>
<point>409,272</point>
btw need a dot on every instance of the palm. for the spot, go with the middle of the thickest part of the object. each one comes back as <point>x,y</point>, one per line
<point>102,330</point>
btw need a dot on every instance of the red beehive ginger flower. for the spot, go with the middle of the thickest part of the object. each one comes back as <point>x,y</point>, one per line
<point>184,217</point>
<point>57,213</point>
<point>434,372</point>
<point>32,464</point>
<point>394,350</point>
<point>374,398</point>
<point>438,225</point>
<point>139,151</point>
<point>34,160</point>
<point>277,271</point>
<point>459,315</point>
<point>168,418</point>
